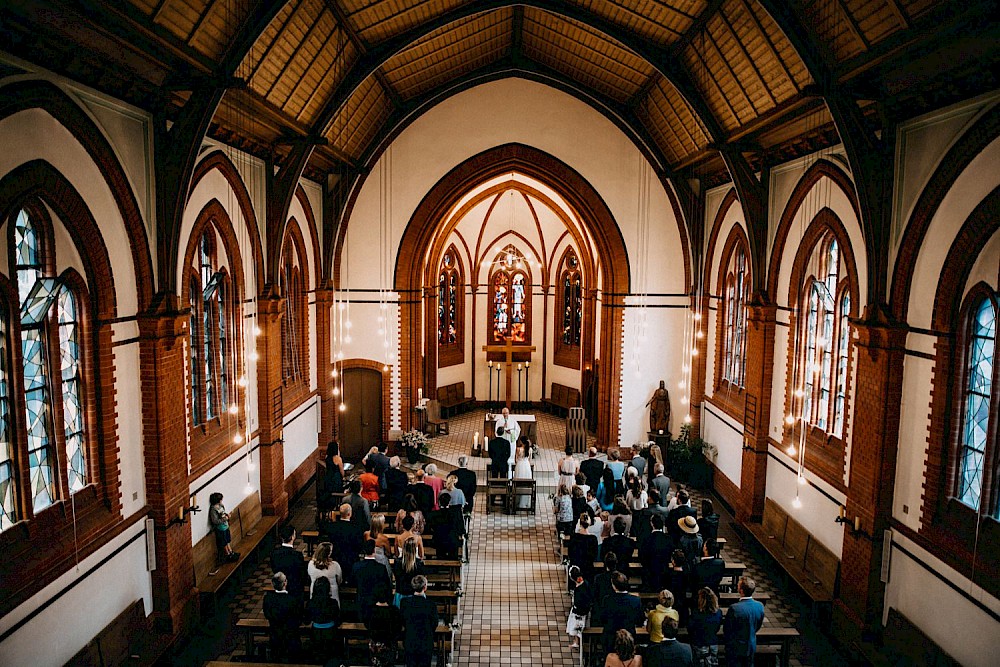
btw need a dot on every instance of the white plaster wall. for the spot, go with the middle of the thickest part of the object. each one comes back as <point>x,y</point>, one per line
<point>817,512</point>
<point>235,477</point>
<point>300,431</point>
<point>129,404</point>
<point>59,631</point>
<point>914,417</point>
<point>726,434</point>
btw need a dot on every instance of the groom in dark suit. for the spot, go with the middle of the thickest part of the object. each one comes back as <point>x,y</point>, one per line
<point>499,450</point>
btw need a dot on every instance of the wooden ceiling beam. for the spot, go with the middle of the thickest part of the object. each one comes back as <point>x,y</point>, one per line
<point>200,22</point>
<point>517,35</point>
<point>746,54</point>
<point>291,58</point>
<point>772,49</point>
<point>699,24</point>
<point>852,25</point>
<point>362,46</point>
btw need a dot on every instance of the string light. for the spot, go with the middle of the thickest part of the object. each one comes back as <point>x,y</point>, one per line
<point>256,332</point>
<point>791,449</point>
<point>233,409</point>
<point>238,439</point>
<point>342,407</point>
<point>797,503</point>
<point>802,479</point>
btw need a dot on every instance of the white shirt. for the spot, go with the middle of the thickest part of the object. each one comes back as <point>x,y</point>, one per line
<point>511,429</point>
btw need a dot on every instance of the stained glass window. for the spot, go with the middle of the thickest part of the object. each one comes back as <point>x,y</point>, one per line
<point>211,315</point>
<point>8,487</point>
<point>292,323</point>
<point>69,353</point>
<point>449,300</point>
<point>571,303</point>
<point>735,322</point>
<point>510,289</point>
<point>977,398</point>
<point>195,344</point>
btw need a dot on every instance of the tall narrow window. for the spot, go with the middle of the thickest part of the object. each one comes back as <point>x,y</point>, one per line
<point>510,290</point>
<point>212,309</point>
<point>451,299</point>
<point>194,333</point>
<point>976,402</point>
<point>210,319</point>
<point>735,320</point>
<point>8,475</point>
<point>293,323</point>
<point>568,313</point>
<point>69,353</point>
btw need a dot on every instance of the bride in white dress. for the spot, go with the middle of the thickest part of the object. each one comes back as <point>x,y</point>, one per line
<point>522,469</point>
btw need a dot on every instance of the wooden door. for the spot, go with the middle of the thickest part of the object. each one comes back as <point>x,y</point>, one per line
<point>361,422</point>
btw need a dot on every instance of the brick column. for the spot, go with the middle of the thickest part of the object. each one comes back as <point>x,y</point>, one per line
<point>324,304</point>
<point>270,412</point>
<point>879,349</point>
<point>757,392</point>
<point>162,353</point>
<point>699,367</point>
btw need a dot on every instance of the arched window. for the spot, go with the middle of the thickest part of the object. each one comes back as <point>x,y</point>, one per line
<point>568,324</point>
<point>8,478</point>
<point>974,447</point>
<point>735,297</point>
<point>451,298</point>
<point>510,298</point>
<point>211,314</point>
<point>293,324</point>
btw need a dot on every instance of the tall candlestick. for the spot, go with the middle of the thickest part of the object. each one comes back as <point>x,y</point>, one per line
<point>420,394</point>
<point>194,500</point>
<point>842,511</point>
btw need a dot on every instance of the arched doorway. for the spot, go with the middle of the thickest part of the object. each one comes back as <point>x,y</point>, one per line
<point>361,420</point>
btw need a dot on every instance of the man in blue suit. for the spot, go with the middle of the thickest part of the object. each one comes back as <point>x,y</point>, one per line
<point>669,652</point>
<point>741,624</point>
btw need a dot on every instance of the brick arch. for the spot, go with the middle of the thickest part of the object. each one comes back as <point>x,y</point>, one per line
<point>713,238</point>
<point>959,156</point>
<point>300,194</point>
<point>371,365</point>
<point>591,208</point>
<point>217,160</point>
<point>812,176</point>
<point>48,97</point>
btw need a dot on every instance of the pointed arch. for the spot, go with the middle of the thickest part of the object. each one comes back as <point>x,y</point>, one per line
<point>567,329</point>
<point>451,309</point>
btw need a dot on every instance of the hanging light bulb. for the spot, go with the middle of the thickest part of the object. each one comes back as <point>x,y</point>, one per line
<point>789,420</point>
<point>385,368</point>
<point>233,408</point>
<point>381,331</point>
<point>791,450</point>
<point>685,368</point>
<point>333,373</point>
<point>802,479</point>
<point>684,400</point>
<point>343,407</point>
<point>248,489</point>
<point>336,391</point>
<point>341,306</point>
<point>697,317</point>
<point>347,324</point>
<point>242,381</point>
<point>799,393</point>
<point>700,334</point>
<point>347,339</point>
<point>385,344</point>
<point>255,355</point>
<point>237,439</point>
<point>681,384</point>
<point>256,331</point>
<point>797,504</point>
<point>340,354</point>
<point>251,466</point>
<point>381,319</point>
<point>392,356</point>
<point>694,352</point>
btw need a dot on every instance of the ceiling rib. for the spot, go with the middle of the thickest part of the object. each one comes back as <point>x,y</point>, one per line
<point>277,37</point>
<point>770,45</point>
<point>362,46</point>
<point>291,58</point>
<point>746,54</point>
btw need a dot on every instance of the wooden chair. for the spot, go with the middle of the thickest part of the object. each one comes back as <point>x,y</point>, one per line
<point>521,488</point>
<point>497,487</point>
<point>436,424</point>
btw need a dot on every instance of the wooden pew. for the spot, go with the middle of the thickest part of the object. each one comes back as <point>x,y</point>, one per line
<point>635,552</point>
<point>734,570</point>
<point>726,600</point>
<point>127,640</point>
<point>453,399</point>
<point>561,399</point>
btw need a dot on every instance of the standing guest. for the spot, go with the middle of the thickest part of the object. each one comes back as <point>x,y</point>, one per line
<point>361,512</point>
<point>678,580</point>
<point>669,652</point>
<point>385,625</point>
<point>741,624</point>
<point>383,543</point>
<point>405,569</point>
<point>562,507</point>
<point>654,617</point>
<point>395,484</point>
<point>457,494</point>
<point>219,518</point>
<point>709,521</point>
<point>593,468</point>
<point>407,534</point>
<point>624,654</point>
<point>466,480</point>
<point>424,493</point>
<point>640,523</point>
<point>333,479</point>
<point>606,490</point>
<point>323,611</point>
<point>284,617</point>
<point>654,554</point>
<point>661,483</point>
<point>582,548</point>
<point>372,581</point>
<point>583,601</point>
<point>703,629</point>
<point>581,481</point>
<point>323,567</point>
<point>379,462</point>
<point>638,460</point>
<point>436,483</point>
<point>568,467</point>
<point>287,559</point>
<point>411,508</point>
<point>370,484</point>
<point>654,457</point>
<point>619,611</point>
<point>602,584</point>
<point>656,506</point>
<point>448,527</point>
<point>580,505</point>
<point>511,429</point>
<point>619,510</point>
<point>617,467</point>
<point>420,618</point>
<point>619,543</point>
<point>346,538</point>
<point>675,516</point>
<point>709,571</point>
<point>499,450</point>
<point>596,527</point>
<point>690,542</point>
<point>635,497</point>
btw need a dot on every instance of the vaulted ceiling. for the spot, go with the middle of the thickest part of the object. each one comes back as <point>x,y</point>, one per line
<point>680,77</point>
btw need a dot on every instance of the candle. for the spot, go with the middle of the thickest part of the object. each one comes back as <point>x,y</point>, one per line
<point>527,364</point>
<point>490,364</point>
<point>180,513</point>
<point>420,394</point>
<point>841,511</point>
<point>661,431</point>
<point>475,438</point>
<point>857,524</point>
<point>194,500</point>
<point>519,368</point>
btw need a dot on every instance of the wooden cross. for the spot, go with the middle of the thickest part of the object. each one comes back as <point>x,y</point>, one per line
<point>508,349</point>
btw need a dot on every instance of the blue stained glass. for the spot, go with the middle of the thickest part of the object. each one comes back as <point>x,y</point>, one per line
<point>193,345</point>
<point>26,254</point>
<point>977,403</point>
<point>8,500</point>
<point>76,460</point>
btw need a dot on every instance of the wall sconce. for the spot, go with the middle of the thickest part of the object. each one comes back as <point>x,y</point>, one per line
<point>183,512</point>
<point>853,526</point>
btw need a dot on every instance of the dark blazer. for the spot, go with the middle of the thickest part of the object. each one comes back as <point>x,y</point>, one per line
<point>424,495</point>
<point>372,578</point>
<point>740,627</point>
<point>622,546</point>
<point>284,615</point>
<point>395,487</point>
<point>668,653</point>
<point>675,515</point>
<point>582,552</point>
<point>708,572</point>
<point>290,561</point>
<point>420,620</point>
<point>346,538</point>
<point>654,554</point>
<point>602,590</point>
<point>447,526</point>
<point>592,469</point>
<point>641,527</point>
<point>620,611</point>
<point>499,450</point>
<point>466,480</point>
<point>361,513</point>
<point>662,484</point>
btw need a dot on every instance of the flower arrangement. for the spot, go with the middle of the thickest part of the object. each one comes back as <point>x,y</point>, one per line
<point>414,439</point>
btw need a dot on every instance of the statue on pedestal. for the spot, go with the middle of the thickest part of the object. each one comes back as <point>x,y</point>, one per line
<point>659,410</point>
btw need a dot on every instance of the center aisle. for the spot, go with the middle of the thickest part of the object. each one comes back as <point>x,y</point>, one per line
<point>514,608</point>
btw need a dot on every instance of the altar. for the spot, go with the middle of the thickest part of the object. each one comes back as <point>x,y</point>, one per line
<point>526,422</point>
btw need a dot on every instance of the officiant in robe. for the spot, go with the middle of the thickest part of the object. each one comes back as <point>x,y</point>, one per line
<point>499,450</point>
<point>511,429</point>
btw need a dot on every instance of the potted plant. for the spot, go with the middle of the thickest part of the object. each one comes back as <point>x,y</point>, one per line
<point>687,459</point>
<point>415,443</point>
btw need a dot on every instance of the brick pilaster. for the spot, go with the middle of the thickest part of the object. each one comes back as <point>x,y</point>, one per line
<point>757,383</point>
<point>324,304</point>
<point>879,349</point>
<point>270,410</point>
<point>162,355</point>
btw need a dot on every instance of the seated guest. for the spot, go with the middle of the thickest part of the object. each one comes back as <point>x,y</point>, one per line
<point>602,583</point>
<point>740,626</point>
<point>654,554</point>
<point>361,513</point>
<point>405,569</point>
<point>346,538</point>
<point>383,543</point>
<point>562,507</point>
<point>323,611</point>
<point>582,547</point>
<point>682,510</point>
<point>620,611</point>
<point>619,542</point>
<point>593,468</point>
<point>406,534</point>
<point>385,626</point>
<point>690,542</point>
<point>436,483</point>
<point>420,620</point>
<point>323,567</point>
<point>448,527</point>
<point>654,617</point>
<point>661,483</point>
<point>284,617</point>
<point>709,521</point>
<point>372,581</point>
<point>410,508</point>
<point>624,654</point>
<point>708,572</point>
<point>583,601</point>
<point>395,484</point>
<point>457,494</point>
<point>703,628</point>
<point>620,509</point>
<point>669,652</point>
<point>466,480</point>
<point>370,484</point>
<point>287,559</point>
<point>424,493</point>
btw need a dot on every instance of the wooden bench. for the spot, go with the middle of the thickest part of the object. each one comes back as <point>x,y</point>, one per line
<point>127,640</point>
<point>434,422</point>
<point>635,552</point>
<point>453,399</point>
<point>248,528</point>
<point>770,641</point>
<point>252,628</point>
<point>726,600</point>
<point>312,538</point>
<point>561,399</point>
<point>805,560</point>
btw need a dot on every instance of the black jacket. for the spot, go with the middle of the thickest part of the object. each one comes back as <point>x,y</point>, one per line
<point>466,481</point>
<point>424,496</point>
<point>420,620</point>
<point>346,538</point>
<point>282,611</point>
<point>674,516</point>
<point>622,546</point>
<point>372,579</point>
<point>592,469</point>
<point>668,653</point>
<point>395,483</point>
<point>447,526</point>
<point>620,611</point>
<point>654,554</point>
<point>708,572</point>
<point>289,560</point>
<point>499,450</point>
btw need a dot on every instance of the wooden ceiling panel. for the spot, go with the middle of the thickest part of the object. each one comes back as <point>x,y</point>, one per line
<point>379,20</point>
<point>671,121</point>
<point>584,55</point>
<point>360,119</point>
<point>659,22</point>
<point>271,79</point>
<point>785,55</point>
<point>760,51</point>
<point>216,28</point>
<point>147,7</point>
<point>450,53</point>
<point>180,16</point>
